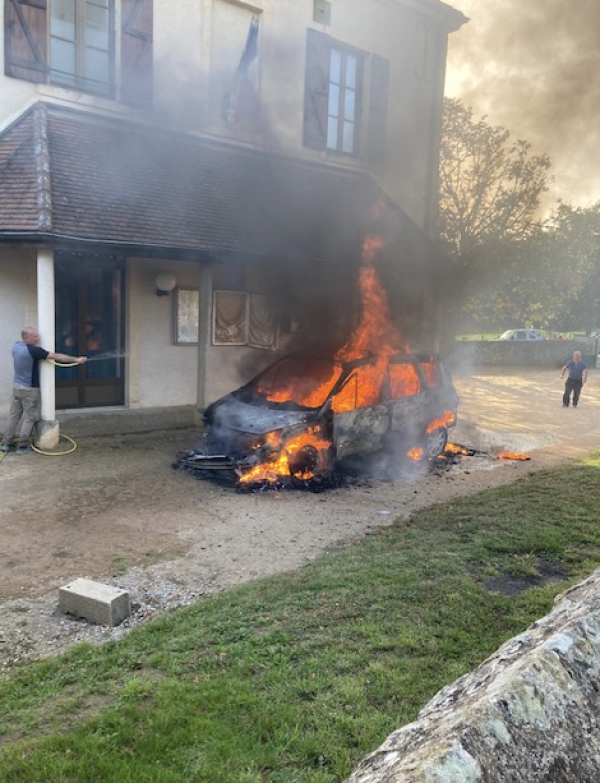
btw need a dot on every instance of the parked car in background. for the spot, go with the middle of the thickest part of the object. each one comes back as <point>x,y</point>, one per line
<point>522,334</point>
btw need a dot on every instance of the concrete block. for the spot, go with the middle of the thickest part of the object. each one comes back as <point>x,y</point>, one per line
<point>98,603</point>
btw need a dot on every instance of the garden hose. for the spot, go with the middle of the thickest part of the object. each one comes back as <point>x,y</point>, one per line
<point>69,450</point>
<point>64,364</point>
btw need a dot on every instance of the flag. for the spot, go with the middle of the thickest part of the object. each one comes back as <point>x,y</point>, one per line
<point>241,106</point>
<point>250,52</point>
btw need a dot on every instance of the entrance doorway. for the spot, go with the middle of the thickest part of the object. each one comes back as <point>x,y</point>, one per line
<point>89,320</point>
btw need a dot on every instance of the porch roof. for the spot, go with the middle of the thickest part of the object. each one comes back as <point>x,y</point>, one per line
<point>70,177</point>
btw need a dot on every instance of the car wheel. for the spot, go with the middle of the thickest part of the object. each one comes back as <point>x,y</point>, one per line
<point>435,443</point>
<point>304,462</point>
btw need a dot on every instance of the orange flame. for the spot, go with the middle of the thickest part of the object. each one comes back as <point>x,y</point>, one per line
<point>416,454</point>
<point>513,455</point>
<point>454,448</point>
<point>279,467</point>
<point>375,334</point>
<point>446,420</point>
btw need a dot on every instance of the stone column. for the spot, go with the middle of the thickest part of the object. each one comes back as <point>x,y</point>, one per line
<point>47,430</point>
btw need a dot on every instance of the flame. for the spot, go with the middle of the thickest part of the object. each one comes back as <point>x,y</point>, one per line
<point>416,454</point>
<point>513,455</point>
<point>375,335</point>
<point>431,372</point>
<point>446,420</point>
<point>272,470</point>
<point>375,332</point>
<point>302,390</point>
<point>454,448</point>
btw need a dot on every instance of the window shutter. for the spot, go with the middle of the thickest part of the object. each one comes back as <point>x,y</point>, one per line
<point>316,91</point>
<point>25,33</point>
<point>136,52</point>
<point>378,101</point>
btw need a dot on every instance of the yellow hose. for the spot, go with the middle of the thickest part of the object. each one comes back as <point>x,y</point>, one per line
<point>64,364</point>
<point>70,450</point>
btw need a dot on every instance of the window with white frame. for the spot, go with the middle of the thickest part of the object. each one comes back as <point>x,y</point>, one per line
<point>343,104</point>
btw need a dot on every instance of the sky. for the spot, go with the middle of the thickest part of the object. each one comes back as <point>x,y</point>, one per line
<point>533,67</point>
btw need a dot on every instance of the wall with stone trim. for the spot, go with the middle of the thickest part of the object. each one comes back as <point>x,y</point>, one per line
<point>514,353</point>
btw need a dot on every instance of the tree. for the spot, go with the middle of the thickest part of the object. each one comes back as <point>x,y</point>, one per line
<point>490,189</point>
<point>576,233</point>
<point>550,279</point>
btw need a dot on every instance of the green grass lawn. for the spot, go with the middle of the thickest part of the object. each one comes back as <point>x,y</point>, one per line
<point>296,678</point>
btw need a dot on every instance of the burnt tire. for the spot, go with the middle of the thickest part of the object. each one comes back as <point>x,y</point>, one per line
<point>435,443</point>
<point>303,462</point>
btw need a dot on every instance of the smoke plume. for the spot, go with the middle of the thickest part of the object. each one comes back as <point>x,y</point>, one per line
<point>532,67</point>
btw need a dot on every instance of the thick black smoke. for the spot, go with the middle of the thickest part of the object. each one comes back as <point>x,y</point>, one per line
<point>531,66</point>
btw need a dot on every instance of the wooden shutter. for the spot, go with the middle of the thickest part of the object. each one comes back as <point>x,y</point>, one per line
<point>378,101</point>
<point>25,35</point>
<point>136,52</point>
<point>316,91</point>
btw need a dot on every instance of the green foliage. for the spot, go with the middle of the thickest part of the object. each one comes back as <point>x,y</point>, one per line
<point>550,280</point>
<point>575,232</point>
<point>296,678</point>
<point>511,269</point>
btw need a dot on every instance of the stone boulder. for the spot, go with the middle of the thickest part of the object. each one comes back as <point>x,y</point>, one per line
<point>528,714</point>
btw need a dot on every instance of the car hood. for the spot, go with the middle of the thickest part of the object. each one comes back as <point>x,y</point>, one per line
<point>243,417</point>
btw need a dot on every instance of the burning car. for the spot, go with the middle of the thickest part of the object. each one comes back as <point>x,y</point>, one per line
<point>305,416</point>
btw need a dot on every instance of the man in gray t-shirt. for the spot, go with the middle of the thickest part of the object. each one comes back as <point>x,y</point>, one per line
<point>25,404</point>
<point>577,373</point>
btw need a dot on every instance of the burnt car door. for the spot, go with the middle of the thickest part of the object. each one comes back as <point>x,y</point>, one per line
<point>409,403</point>
<point>361,416</point>
<point>423,403</point>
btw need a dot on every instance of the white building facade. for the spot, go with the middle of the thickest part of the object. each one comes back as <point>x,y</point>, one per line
<point>177,178</point>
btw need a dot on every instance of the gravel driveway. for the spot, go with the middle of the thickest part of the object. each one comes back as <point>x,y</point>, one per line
<point>115,511</point>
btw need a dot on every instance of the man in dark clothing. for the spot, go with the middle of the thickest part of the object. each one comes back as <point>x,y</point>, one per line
<point>577,375</point>
<point>25,405</point>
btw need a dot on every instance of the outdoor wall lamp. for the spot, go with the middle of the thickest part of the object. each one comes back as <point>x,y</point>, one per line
<point>165,283</point>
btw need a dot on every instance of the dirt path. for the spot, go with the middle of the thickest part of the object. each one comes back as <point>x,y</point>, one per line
<point>115,511</point>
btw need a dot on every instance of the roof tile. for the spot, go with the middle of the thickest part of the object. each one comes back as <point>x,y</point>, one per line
<point>117,181</point>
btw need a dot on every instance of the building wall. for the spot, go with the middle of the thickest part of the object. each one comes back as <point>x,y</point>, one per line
<point>517,353</point>
<point>196,49</point>
<point>159,372</point>
<point>18,309</point>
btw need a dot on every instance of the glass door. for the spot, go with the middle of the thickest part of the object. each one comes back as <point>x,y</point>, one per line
<point>89,320</point>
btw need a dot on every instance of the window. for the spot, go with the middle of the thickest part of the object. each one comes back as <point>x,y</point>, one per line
<point>431,371</point>
<point>80,45</point>
<point>336,80</point>
<point>240,318</point>
<point>342,104</point>
<point>72,43</point>
<point>404,381</point>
